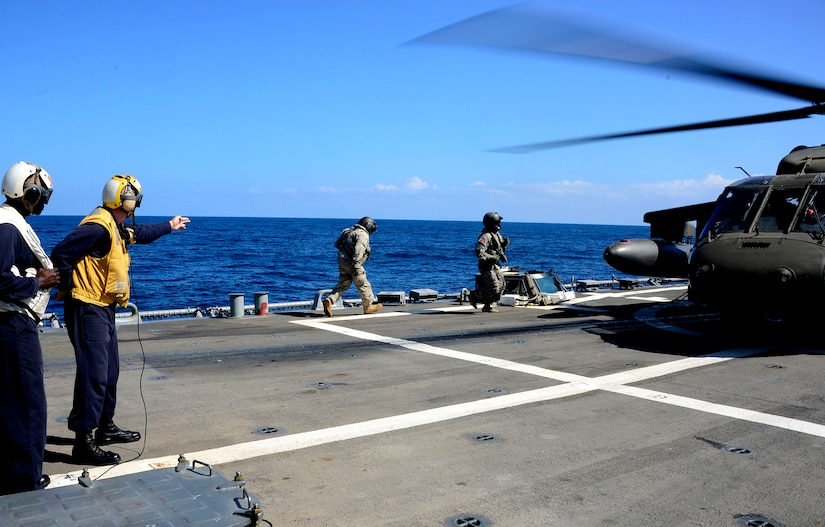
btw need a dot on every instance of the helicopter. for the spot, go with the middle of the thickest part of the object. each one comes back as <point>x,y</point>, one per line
<point>760,246</point>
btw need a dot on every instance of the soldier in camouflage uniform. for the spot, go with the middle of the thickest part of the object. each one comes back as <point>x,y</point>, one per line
<point>353,251</point>
<point>490,250</point>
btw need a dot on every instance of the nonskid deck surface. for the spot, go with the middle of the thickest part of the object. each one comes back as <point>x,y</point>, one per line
<point>617,408</point>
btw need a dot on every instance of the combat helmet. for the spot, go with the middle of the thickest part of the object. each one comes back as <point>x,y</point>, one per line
<point>492,220</point>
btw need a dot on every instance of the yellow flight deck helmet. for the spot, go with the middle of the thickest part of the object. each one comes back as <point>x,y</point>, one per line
<point>123,191</point>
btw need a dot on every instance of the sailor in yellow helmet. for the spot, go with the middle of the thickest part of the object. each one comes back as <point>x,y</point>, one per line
<point>94,264</point>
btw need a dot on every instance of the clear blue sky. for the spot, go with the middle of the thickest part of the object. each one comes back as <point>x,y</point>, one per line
<point>302,108</point>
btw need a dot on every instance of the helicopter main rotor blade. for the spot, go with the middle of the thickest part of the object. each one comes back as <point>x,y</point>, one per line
<point>786,115</point>
<point>541,31</point>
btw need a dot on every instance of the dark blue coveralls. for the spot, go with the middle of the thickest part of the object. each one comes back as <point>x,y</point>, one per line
<point>22,390</point>
<point>92,328</point>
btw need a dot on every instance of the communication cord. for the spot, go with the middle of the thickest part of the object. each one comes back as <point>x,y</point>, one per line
<point>140,390</point>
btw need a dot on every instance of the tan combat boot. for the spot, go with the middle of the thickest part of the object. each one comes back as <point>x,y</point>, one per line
<point>328,306</point>
<point>372,309</point>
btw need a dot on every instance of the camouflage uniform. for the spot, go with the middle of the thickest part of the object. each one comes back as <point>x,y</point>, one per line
<point>489,250</point>
<point>353,251</point>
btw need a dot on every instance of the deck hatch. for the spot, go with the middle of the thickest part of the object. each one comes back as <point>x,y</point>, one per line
<point>195,497</point>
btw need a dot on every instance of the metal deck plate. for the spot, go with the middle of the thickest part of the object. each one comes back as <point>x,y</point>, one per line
<point>158,498</point>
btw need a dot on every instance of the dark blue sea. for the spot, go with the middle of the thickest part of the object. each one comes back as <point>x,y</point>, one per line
<point>292,258</point>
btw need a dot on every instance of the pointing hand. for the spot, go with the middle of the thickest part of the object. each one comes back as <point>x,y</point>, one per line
<point>179,223</point>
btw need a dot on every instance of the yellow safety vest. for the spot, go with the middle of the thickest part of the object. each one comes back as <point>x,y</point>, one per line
<point>103,281</point>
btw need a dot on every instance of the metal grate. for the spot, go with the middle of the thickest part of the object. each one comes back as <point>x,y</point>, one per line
<point>755,520</point>
<point>267,430</point>
<point>741,450</point>
<point>467,520</point>
<point>484,438</point>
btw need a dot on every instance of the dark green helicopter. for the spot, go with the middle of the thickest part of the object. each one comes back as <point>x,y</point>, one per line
<point>761,244</point>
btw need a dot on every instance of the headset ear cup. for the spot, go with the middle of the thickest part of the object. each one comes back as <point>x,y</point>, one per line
<point>31,195</point>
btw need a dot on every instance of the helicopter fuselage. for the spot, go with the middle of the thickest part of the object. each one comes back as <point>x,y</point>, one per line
<point>763,246</point>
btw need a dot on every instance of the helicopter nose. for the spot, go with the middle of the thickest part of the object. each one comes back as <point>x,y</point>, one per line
<point>631,256</point>
<point>648,257</point>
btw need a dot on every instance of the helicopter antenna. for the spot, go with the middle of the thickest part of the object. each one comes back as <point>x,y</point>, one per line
<point>743,170</point>
<point>808,161</point>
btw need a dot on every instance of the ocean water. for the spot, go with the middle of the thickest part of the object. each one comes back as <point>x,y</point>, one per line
<point>292,258</point>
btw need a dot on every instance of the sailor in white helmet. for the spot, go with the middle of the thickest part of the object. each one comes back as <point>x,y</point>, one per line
<point>26,275</point>
<point>94,266</point>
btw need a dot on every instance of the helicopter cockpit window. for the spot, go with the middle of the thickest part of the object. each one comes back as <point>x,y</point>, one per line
<point>779,211</point>
<point>734,211</point>
<point>812,217</point>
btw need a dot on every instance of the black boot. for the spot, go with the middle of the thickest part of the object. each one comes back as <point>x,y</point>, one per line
<point>110,433</point>
<point>86,452</point>
<point>474,299</point>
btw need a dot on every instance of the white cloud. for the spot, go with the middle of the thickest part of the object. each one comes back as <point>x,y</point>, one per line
<point>716,180</point>
<point>704,190</point>
<point>416,183</point>
<point>563,200</point>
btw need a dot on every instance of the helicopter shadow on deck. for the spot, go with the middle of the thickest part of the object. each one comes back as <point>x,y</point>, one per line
<point>685,329</point>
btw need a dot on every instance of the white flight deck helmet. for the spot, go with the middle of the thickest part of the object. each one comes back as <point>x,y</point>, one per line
<point>33,195</point>
<point>122,191</point>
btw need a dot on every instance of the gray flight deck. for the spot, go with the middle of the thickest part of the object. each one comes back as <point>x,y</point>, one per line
<point>618,408</point>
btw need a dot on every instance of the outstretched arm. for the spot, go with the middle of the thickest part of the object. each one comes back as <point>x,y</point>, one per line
<point>149,232</point>
<point>179,223</point>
